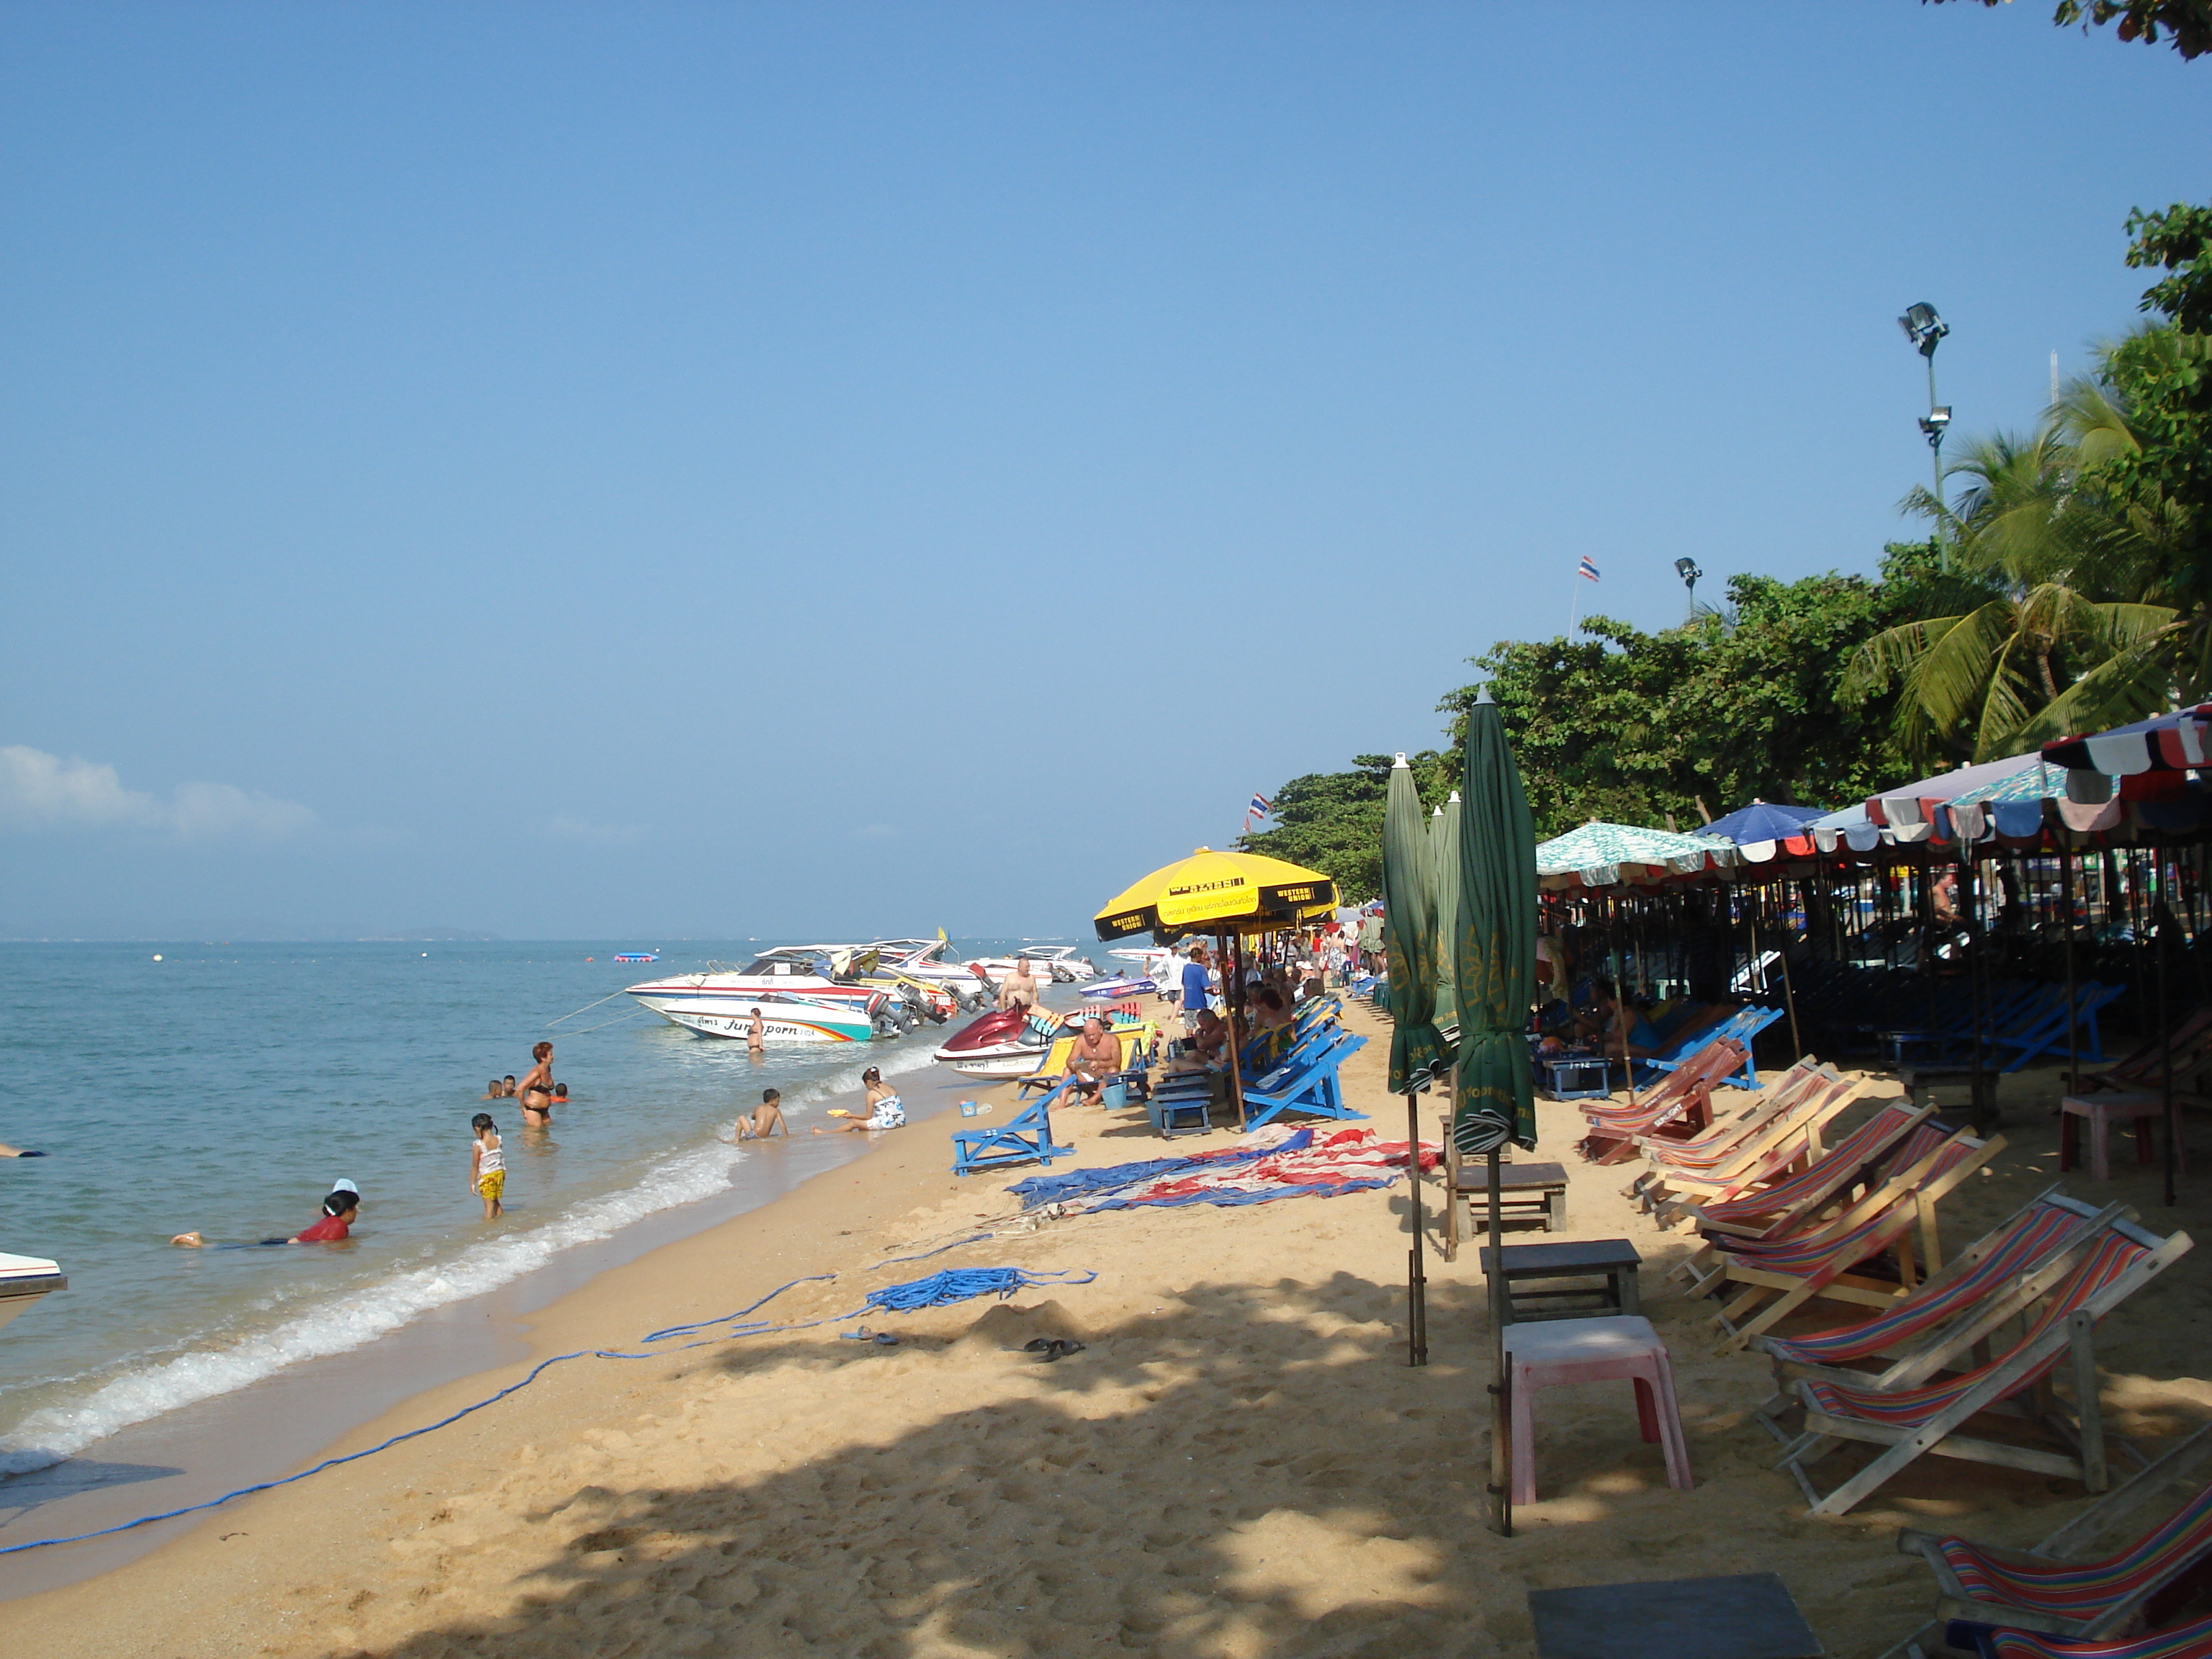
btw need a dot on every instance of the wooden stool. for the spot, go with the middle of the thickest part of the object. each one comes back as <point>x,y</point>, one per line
<point>1593,1351</point>
<point>2100,1110</point>
<point>1527,1192</point>
<point>1613,1262</point>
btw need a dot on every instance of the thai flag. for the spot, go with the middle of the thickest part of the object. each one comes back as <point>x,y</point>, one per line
<point>1258,809</point>
<point>1588,571</point>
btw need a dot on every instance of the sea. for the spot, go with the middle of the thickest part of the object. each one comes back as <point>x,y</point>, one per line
<point>224,1088</point>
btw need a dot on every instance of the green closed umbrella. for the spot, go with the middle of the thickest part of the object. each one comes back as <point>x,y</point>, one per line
<point>1443,838</point>
<point>1417,1051</point>
<point>1494,959</point>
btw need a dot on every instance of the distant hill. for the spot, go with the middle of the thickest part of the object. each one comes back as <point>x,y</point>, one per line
<point>432,936</point>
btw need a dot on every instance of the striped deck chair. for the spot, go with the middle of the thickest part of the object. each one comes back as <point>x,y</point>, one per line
<point>1670,1098</point>
<point>1780,1276</point>
<point>2089,1598</point>
<point>1985,1284</point>
<point>1703,1266</point>
<point>1907,1422</point>
<point>1680,1107</point>
<point>1755,1146</point>
<point>1759,1209</point>
<point>2190,1640</point>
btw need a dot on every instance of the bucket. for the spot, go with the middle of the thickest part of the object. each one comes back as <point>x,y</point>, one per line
<point>967,1108</point>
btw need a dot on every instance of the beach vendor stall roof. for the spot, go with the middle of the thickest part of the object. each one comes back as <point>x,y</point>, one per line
<point>2175,742</point>
<point>1603,854</point>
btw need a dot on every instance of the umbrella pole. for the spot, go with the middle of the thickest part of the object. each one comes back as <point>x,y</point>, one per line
<point>2165,1040</point>
<point>1229,1007</point>
<point>1501,1391</point>
<point>2073,999</point>
<point>1417,1284</point>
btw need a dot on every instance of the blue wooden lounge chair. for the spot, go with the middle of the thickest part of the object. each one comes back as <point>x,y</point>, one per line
<point>2046,1034</point>
<point>1741,1026</point>
<point>1181,1103</point>
<point>1306,1082</point>
<point>1024,1138</point>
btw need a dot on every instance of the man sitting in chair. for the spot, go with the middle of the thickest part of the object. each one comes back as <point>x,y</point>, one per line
<point>1097,1056</point>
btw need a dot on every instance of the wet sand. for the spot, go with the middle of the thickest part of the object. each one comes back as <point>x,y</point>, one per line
<point>1239,1463</point>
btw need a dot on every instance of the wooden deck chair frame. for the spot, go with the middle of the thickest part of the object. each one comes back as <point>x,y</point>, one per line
<point>1961,1341</point>
<point>1666,1099</point>
<point>1742,1151</point>
<point>1954,1600</point>
<point>1830,1174</point>
<point>1718,1145</point>
<point>1701,1266</point>
<point>1910,1196</point>
<point>1687,1112</point>
<point>2084,1436</point>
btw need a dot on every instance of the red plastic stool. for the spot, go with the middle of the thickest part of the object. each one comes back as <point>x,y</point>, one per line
<point>1593,1351</point>
<point>2099,1111</point>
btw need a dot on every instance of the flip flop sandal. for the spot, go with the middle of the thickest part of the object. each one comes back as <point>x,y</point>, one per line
<point>1052,1348</point>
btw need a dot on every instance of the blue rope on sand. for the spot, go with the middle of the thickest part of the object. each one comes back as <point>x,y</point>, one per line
<point>960,1284</point>
<point>955,1285</point>
<point>897,1261</point>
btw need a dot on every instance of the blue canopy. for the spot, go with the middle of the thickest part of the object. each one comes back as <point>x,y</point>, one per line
<point>1762,821</point>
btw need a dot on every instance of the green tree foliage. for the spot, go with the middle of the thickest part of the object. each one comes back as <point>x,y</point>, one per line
<point>1332,821</point>
<point>1697,721</point>
<point>2188,24</point>
<point>2165,376</point>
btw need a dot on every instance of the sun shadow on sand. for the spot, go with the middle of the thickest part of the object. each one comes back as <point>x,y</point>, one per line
<point>1252,1469</point>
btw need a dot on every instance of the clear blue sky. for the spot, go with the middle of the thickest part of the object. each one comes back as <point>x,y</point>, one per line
<point>654,469</point>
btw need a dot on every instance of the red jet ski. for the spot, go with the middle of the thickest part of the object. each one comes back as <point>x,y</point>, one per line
<point>996,1046</point>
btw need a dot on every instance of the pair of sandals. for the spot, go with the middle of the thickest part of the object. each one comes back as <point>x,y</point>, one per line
<point>1051,1347</point>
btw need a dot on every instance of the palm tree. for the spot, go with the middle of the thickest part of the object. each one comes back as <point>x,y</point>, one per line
<point>2067,615</point>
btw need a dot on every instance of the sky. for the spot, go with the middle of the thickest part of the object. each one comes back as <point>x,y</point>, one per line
<point>608,471</point>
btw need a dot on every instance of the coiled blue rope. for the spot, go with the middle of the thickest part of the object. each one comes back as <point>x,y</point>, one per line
<point>960,1284</point>
<point>955,1285</point>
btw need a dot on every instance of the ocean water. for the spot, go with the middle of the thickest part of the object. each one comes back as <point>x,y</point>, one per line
<point>224,1088</point>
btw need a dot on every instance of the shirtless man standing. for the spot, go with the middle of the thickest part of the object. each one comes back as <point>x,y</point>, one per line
<point>535,1092</point>
<point>1019,992</point>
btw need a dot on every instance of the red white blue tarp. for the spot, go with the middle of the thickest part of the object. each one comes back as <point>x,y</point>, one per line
<point>1291,1163</point>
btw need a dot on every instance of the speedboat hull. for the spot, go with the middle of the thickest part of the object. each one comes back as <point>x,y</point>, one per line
<point>781,1023</point>
<point>24,1279</point>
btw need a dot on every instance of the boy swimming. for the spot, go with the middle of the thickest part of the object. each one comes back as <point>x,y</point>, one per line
<point>340,1211</point>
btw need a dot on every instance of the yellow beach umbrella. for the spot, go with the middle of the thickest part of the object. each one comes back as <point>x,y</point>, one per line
<point>1212,892</point>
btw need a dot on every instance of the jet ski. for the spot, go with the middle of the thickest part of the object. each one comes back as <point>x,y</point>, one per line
<point>1010,1044</point>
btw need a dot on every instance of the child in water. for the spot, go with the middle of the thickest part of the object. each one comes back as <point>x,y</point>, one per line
<point>340,1211</point>
<point>487,1165</point>
<point>765,1120</point>
<point>885,1111</point>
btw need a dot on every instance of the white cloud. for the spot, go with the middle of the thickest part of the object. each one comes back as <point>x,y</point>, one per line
<point>565,828</point>
<point>39,791</point>
<point>223,808</point>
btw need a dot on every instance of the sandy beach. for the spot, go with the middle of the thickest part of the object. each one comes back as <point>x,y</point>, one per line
<point>1238,1463</point>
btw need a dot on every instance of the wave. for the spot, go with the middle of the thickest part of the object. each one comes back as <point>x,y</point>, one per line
<point>359,1315</point>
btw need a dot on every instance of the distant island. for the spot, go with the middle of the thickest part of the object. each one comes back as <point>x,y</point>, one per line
<point>433,936</point>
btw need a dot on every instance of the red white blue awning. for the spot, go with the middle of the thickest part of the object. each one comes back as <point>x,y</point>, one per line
<point>2170,743</point>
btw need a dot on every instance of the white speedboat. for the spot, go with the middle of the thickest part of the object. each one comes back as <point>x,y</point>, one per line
<point>1055,962</point>
<point>24,1279</point>
<point>923,959</point>
<point>792,974</point>
<point>784,1019</point>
